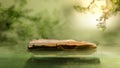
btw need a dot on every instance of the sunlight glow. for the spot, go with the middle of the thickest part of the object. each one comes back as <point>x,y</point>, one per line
<point>92,20</point>
<point>97,9</point>
<point>87,20</point>
<point>93,17</point>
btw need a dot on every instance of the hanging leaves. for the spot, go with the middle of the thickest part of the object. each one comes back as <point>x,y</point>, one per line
<point>112,7</point>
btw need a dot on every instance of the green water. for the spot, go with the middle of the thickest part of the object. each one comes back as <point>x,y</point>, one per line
<point>18,57</point>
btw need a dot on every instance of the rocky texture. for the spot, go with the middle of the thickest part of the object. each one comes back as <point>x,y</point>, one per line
<point>50,44</point>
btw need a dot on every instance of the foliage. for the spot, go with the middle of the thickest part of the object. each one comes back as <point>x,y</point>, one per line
<point>17,24</point>
<point>12,15</point>
<point>107,11</point>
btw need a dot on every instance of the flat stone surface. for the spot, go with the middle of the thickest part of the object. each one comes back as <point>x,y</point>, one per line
<point>60,44</point>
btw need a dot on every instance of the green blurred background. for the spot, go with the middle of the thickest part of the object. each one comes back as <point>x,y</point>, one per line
<point>22,21</point>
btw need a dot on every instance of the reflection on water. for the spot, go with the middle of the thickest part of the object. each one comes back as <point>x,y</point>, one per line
<point>63,59</point>
<point>63,62</point>
<point>107,56</point>
<point>69,53</point>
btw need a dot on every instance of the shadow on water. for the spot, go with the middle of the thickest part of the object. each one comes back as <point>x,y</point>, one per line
<point>63,62</point>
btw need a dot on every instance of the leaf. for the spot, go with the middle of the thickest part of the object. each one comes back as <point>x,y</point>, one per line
<point>101,26</point>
